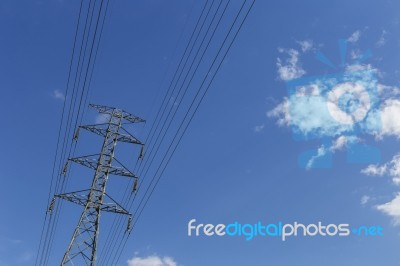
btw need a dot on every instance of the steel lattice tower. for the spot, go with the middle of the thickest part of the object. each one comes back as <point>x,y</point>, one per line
<point>83,245</point>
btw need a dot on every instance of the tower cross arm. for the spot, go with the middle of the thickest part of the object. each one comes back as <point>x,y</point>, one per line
<point>82,197</point>
<point>102,109</point>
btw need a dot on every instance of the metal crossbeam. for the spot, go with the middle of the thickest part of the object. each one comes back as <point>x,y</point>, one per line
<point>81,198</point>
<point>112,110</point>
<point>92,163</point>
<point>102,131</point>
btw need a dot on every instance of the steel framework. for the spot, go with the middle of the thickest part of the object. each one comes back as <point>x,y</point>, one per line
<point>83,245</point>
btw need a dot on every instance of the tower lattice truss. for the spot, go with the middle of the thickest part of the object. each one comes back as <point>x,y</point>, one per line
<point>83,245</point>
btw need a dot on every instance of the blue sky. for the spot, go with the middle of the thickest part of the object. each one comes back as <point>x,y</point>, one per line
<point>239,160</point>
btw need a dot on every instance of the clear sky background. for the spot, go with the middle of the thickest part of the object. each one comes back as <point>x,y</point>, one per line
<point>236,162</point>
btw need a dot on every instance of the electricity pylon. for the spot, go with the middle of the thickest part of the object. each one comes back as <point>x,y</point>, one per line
<point>83,245</point>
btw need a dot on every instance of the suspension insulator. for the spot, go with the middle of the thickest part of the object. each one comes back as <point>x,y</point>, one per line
<point>64,172</point>
<point>135,186</point>
<point>51,207</point>
<point>129,226</point>
<point>76,136</point>
<point>141,153</point>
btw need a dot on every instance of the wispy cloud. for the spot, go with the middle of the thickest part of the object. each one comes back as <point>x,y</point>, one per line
<point>22,255</point>
<point>382,39</point>
<point>364,199</point>
<point>388,92</point>
<point>259,128</point>
<point>390,113</point>
<point>25,257</point>
<point>338,144</point>
<point>153,260</point>
<point>355,54</point>
<point>281,113</point>
<point>354,37</point>
<point>306,45</point>
<point>290,67</point>
<point>102,118</point>
<point>9,241</point>
<point>57,94</point>
<point>391,168</point>
<point>392,209</point>
<point>360,67</point>
<point>321,151</point>
<point>375,170</point>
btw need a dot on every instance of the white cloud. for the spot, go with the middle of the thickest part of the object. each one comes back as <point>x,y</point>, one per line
<point>290,68</point>
<point>57,94</point>
<point>391,168</point>
<point>392,208</point>
<point>354,37</point>
<point>387,92</point>
<point>259,128</point>
<point>357,92</point>
<point>359,67</point>
<point>374,170</point>
<point>305,111</point>
<point>281,112</point>
<point>308,116</point>
<point>152,261</point>
<point>390,113</point>
<point>321,151</point>
<point>102,118</point>
<point>337,144</point>
<point>355,54</point>
<point>364,199</point>
<point>317,110</point>
<point>308,90</point>
<point>382,39</point>
<point>306,45</point>
<point>25,257</point>
<point>9,241</point>
<point>343,141</point>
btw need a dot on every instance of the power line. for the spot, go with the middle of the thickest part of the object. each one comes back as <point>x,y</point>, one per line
<point>152,159</point>
<point>171,119</point>
<point>52,227</point>
<point>201,99</point>
<point>181,87</point>
<point>113,230</point>
<point>73,144</point>
<point>113,241</point>
<point>157,136</point>
<point>60,130</point>
<point>195,110</point>
<point>166,100</point>
<point>188,85</point>
<point>52,224</point>
<point>191,117</point>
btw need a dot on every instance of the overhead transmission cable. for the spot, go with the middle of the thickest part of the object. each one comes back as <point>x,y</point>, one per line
<point>114,230</point>
<point>46,247</point>
<point>53,175</point>
<point>194,112</point>
<point>78,114</point>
